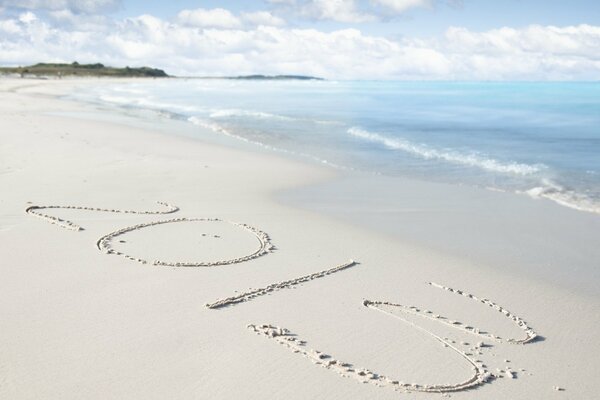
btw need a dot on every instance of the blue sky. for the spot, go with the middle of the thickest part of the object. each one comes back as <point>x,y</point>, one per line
<point>345,39</point>
<point>472,14</point>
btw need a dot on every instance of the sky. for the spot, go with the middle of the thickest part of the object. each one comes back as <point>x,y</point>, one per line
<point>335,39</point>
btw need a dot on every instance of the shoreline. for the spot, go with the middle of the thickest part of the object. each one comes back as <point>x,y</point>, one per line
<point>343,185</point>
<point>499,231</point>
<point>544,186</point>
<point>110,318</point>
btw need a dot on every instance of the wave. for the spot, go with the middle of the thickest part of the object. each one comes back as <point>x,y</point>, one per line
<point>429,153</point>
<point>228,113</point>
<point>147,103</point>
<point>139,98</point>
<point>234,112</point>
<point>564,196</point>
<point>220,129</point>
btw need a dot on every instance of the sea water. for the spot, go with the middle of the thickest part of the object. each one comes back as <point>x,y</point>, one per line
<point>540,139</point>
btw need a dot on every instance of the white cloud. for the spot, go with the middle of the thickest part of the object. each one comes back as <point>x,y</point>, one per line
<point>214,18</point>
<point>262,18</point>
<point>181,47</point>
<point>84,22</point>
<point>400,6</point>
<point>335,10</point>
<point>27,17</point>
<point>534,52</point>
<point>582,40</point>
<point>37,41</point>
<point>9,27</point>
<point>355,11</point>
<point>78,6</point>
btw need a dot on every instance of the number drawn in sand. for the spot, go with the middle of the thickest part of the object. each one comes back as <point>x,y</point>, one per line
<point>284,337</point>
<point>35,211</point>
<point>105,243</point>
<point>264,243</point>
<point>249,295</point>
<point>530,334</point>
<point>480,374</point>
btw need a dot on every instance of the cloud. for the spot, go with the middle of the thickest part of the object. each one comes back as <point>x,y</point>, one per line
<point>262,18</point>
<point>232,45</point>
<point>81,22</point>
<point>282,2</point>
<point>215,18</point>
<point>9,27</point>
<point>76,6</point>
<point>535,40</point>
<point>400,6</point>
<point>37,41</point>
<point>335,10</point>
<point>28,17</point>
<point>534,52</point>
<point>355,11</point>
<point>221,18</point>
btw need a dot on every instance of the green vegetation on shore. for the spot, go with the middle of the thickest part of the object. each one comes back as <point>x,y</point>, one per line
<point>101,70</point>
<point>76,69</point>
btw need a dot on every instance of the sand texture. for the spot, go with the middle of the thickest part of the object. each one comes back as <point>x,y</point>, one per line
<point>250,294</point>
<point>95,302</point>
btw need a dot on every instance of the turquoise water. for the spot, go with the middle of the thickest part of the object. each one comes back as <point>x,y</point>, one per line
<point>539,139</point>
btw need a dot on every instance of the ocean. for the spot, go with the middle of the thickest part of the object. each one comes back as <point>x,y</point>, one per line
<point>539,139</point>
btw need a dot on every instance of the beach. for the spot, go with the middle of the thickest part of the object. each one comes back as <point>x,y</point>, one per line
<point>264,276</point>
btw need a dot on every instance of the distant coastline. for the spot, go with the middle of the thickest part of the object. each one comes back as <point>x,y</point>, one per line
<point>84,70</point>
<point>60,70</point>
<point>259,77</point>
<point>276,77</point>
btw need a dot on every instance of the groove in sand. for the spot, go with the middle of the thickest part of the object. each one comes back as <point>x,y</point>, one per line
<point>249,295</point>
<point>34,210</point>
<point>530,334</point>
<point>480,373</point>
<point>104,243</point>
<point>265,245</point>
<point>284,337</point>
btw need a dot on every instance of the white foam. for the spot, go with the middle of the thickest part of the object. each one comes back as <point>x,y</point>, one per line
<point>428,153</point>
<point>146,102</point>
<point>228,113</point>
<point>234,112</point>
<point>115,99</point>
<point>563,196</point>
<point>220,129</point>
<point>129,90</point>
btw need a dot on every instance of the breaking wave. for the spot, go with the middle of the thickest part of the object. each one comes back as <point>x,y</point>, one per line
<point>564,196</point>
<point>234,112</point>
<point>214,127</point>
<point>228,113</point>
<point>429,153</point>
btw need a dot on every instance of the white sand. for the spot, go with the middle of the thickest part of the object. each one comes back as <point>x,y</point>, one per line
<point>78,323</point>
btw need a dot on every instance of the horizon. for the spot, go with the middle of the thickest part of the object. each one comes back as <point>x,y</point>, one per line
<point>413,40</point>
<point>310,77</point>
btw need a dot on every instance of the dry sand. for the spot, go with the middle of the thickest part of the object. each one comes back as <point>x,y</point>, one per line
<point>78,322</point>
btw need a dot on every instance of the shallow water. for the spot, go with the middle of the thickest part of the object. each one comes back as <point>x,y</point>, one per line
<point>542,139</point>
